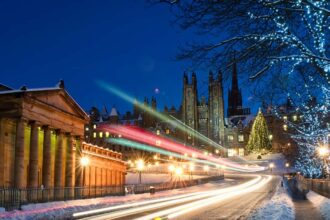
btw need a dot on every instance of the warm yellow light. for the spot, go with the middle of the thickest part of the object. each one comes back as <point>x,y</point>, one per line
<point>179,171</point>
<point>192,167</point>
<point>158,132</point>
<point>193,155</point>
<point>323,151</point>
<point>270,137</point>
<point>158,142</point>
<point>185,154</point>
<point>149,165</point>
<point>287,164</point>
<point>157,164</point>
<point>140,165</point>
<point>94,126</point>
<point>206,168</point>
<point>217,151</point>
<point>107,134</point>
<point>171,168</point>
<point>294,118</point>
<point>155,157</point>
<point>84,161</point>
<point>170,157</point>
<point>205,153</point>
<point>271,165</point>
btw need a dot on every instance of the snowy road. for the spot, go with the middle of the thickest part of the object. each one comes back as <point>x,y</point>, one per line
<point>223,203</point>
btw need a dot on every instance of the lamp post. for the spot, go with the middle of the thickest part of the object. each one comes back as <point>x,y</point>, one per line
<point>271,166</point>
<point>324,152</point>
<point>84,162</point>
<point>140,167</point>
<point>171,168</point>
<point>287,165</point>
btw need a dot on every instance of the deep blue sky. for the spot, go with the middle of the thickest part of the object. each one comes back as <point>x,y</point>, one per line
<point>126,43</point>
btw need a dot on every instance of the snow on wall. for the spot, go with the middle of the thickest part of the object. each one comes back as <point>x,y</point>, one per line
<point>321,202</point>
<point>279,207</point>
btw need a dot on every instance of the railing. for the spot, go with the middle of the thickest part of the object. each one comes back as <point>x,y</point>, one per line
<point>320,186</point>
<point>15,198</point>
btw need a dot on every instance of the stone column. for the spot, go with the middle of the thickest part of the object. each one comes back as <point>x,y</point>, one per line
<point>58,160</point>
<point>69,162</point>
<point>47,158</point>
<point>69,178</point>
<point>19,172</point>
<point>78,168</point>
<point>34,151</point>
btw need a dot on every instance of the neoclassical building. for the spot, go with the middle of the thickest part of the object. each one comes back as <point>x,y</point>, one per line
<point>42,143</point>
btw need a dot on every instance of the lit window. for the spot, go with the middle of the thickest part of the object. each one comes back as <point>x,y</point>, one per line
<point>101,134</point>
<point>158,132</point>
<point>87,129</point>
<point>231,152</point>
<point>241,152</point>
<point>107,134</point>
<point>189,137</point>
<point>240,138</point>
<point>94,126</point>
<point>167,131</point>
<point>94,134</point>
<point>230,138</point>
<point>285,118</point>
<point>294,118</point>
<point>285,127</point>
<point>270,137</point>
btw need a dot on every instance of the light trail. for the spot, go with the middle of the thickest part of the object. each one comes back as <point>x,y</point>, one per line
<point>112,89</point>
<point>190,207</point>
<point>164,145</point>
<point>191,201</point>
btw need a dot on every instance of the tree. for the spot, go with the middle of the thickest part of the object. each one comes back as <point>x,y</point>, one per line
<point>259,136</point>
<point>311,133</point>
<point>263,34</point>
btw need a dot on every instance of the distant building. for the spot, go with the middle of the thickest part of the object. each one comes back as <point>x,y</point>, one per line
<point>205,116</point>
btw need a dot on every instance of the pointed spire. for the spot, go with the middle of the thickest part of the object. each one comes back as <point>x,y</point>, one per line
<point>114,112</point>
<point>210,76</point>
<point>60,84</point>
<point>220,76</point>
<point>234,78</point>
<point>185,78</point>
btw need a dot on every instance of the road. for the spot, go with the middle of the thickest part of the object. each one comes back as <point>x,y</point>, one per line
<point>226,202</point>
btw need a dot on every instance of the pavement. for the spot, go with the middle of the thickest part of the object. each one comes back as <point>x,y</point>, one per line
<point>305,210</point>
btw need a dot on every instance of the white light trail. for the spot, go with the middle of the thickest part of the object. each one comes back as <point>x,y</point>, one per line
<point>191,201</point>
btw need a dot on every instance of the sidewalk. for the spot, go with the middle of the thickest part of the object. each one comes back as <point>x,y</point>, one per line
<point>305,210</point>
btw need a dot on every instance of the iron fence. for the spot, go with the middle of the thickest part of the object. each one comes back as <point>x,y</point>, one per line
<point>15,198</point>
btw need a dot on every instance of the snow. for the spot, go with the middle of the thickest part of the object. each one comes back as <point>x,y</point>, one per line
<point>146,178</point>
<point>65,209</point>
<point>2,209</point>
<point>279,207</point>
<point>321,202</point>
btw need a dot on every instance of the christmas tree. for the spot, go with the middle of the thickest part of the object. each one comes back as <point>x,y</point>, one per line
<point>259,136</point>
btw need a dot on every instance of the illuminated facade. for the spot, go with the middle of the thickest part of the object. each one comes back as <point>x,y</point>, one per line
<point>42,143</point>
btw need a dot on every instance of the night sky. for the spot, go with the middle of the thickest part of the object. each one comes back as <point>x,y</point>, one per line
<point>126,43</point>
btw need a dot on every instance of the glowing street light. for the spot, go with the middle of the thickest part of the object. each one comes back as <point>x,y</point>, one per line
<point>140,168</point>
<point>171,168</point>
<point>323,152</point>
<point>287,165</point>
<point>84,162</point>
<point>179,171</point>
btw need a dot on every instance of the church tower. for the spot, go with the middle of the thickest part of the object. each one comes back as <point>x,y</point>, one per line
<point>216,109</point>
<point>189,107</point>
<point>234,96</point>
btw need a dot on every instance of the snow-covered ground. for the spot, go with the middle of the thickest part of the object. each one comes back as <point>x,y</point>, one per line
<point>2,209</point>
<point>146,178</point>
<point>65,209</point>
<point>279,207</point>
<point>321,202</point>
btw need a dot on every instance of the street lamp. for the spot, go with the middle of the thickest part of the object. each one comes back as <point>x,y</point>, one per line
<point>271,166</point>
<point>140,167</point>
<point>287,165</point>
<point>206,169</point>
<point>84,162</point>
<point>178,172</point>
<point>191,169</point>
<point>171,168</point>
<point>323,152</point>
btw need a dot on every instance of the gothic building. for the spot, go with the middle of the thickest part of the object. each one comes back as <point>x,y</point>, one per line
<point>208,116</point>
